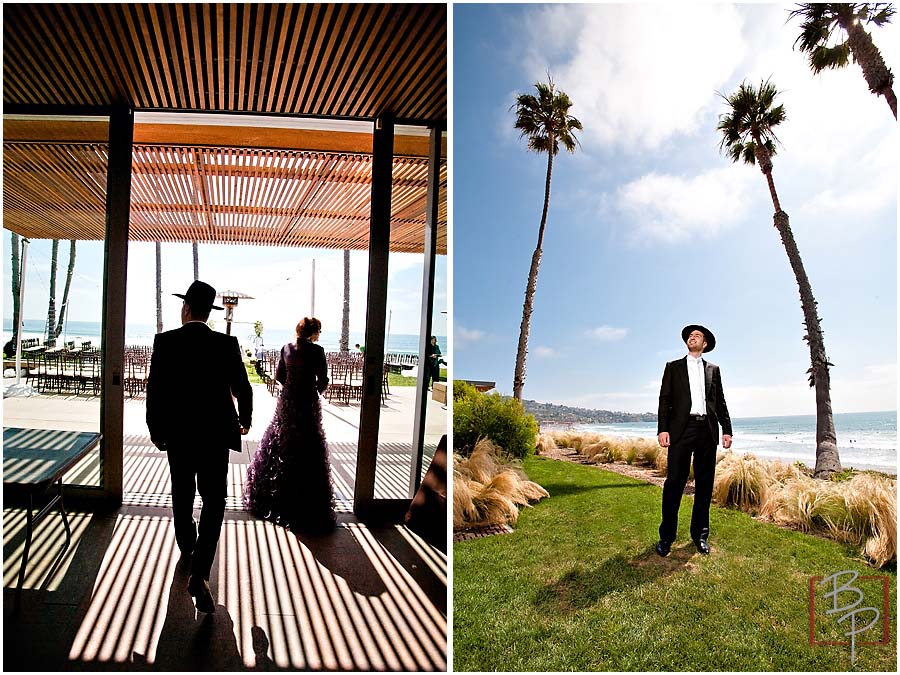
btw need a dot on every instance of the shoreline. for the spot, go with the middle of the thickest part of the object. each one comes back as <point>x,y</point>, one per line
<point>765,454</point>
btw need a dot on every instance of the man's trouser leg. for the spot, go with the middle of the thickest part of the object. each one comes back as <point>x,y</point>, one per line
<point>704,476</point>
<point>212,484</point>
<point>182,473</point>
<point>678,470</point>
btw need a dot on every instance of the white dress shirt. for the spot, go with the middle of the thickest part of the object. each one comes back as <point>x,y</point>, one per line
<point>697,377</point>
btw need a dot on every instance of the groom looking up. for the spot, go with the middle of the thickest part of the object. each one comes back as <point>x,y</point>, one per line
<point>190,414</point>
<point>691,408</point>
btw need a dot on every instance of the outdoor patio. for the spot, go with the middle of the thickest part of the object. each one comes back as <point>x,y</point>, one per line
<point>360,599</point>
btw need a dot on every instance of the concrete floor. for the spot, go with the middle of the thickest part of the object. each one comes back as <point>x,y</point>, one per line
<point>359,599</point>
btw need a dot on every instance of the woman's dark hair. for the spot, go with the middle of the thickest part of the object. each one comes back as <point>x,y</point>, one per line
<point>308,327</point>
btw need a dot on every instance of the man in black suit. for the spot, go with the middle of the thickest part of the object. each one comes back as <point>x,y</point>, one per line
<point>691,408</point>
<point>194,372</point>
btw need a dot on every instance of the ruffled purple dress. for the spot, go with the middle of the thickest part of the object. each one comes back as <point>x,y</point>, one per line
<point>289,478</point>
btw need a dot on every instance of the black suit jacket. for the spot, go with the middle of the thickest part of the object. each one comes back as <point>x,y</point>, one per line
<point>193,373</point>
<point>675,400</point>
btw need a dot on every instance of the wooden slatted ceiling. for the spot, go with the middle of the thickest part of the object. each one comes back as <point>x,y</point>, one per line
<point>336,60</point>
<point>216,195</point>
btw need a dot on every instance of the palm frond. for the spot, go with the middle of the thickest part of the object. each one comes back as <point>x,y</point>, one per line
<point>751,118</point>
<point>543,118</point>
<point>882,13</point>
<point>749,154</point>
<point>823,57</point>
<point>813,34</point>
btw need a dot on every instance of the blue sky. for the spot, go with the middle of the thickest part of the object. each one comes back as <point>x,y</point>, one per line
<point>650,227</point>
<point>279,279</point>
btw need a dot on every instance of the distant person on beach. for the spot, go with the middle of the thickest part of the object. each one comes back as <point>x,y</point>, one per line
<point>289,479</point>
<point>360,349</point>
<point>194,372</point>
<point>433,364</point>
<point>691,408</point>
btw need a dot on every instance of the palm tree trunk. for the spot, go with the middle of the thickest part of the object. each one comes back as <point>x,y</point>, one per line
<point>159,322</point>
<point>196,261</point>
<point>14,245</point>
<point>865,53</point>
<point>51,308</point>
<point>827,460</point>
<point>345,321</point>
<point>525,327</point>
<point>65,299</point>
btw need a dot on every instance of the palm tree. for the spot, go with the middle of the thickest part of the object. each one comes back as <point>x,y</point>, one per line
<point>65,299</point>
<point>159,323</point>
<point>345,323</point>
<point>545,121</point>
<point>748,135</point>
<point>822,20</point>
<point>196,254</point>
<point>51,308</point>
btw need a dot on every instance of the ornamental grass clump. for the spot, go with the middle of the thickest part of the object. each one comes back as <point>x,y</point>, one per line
<point>545,442</point>
<point>860,511</point>
<point>603,451</point>
<point>646,451</point>
<point>487,490</point>
<point>742,481</point>
<point>563,439</point>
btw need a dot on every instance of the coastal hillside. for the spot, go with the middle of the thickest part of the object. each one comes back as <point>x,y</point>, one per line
<point>563,414</point>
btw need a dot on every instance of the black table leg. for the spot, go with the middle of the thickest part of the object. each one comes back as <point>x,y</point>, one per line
<point>28,528</point>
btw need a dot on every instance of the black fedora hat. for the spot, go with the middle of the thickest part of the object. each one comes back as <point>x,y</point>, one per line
<point>199,296</point>
<point>710,338</point>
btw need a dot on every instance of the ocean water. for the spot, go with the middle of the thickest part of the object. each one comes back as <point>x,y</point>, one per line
<point>865,440</point>
<point>142,334</point>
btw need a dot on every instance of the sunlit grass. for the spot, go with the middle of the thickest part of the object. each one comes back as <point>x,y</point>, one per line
<point>577,587</point>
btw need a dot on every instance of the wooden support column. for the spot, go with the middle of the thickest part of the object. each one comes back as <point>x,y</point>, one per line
<point>376,311</point>
<point>115,269</point>
<point>430,253</point>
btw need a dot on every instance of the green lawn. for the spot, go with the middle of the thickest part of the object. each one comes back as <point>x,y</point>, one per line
<point>251,373</point>
<point>398,380</point>
<point>579,587</point>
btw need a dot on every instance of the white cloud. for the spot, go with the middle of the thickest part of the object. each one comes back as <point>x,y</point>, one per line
<point>608,333</point>
<point>637,74</point>
<point>546,353</point>
<point>669,208</point>
<point>463,336</point>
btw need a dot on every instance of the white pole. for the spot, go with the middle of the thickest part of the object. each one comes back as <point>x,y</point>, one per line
<point>25,243</point>
<point>312,312</point>
<point>388,339</point>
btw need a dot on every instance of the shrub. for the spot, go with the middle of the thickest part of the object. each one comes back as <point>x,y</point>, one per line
<point>501,419</point>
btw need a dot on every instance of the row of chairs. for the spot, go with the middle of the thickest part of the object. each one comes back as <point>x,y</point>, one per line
<point>137,369</point>
<point>345,378</point>
<point>345,375</point>
<point>62,370</point>
<point>78,371</point>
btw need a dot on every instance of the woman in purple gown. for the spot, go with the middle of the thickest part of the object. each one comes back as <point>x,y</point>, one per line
<point>289,478</point>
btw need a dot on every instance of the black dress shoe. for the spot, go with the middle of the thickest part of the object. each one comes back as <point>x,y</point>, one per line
<point>199,589</point>
<point>702,546</point>
<point>663,547</point>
